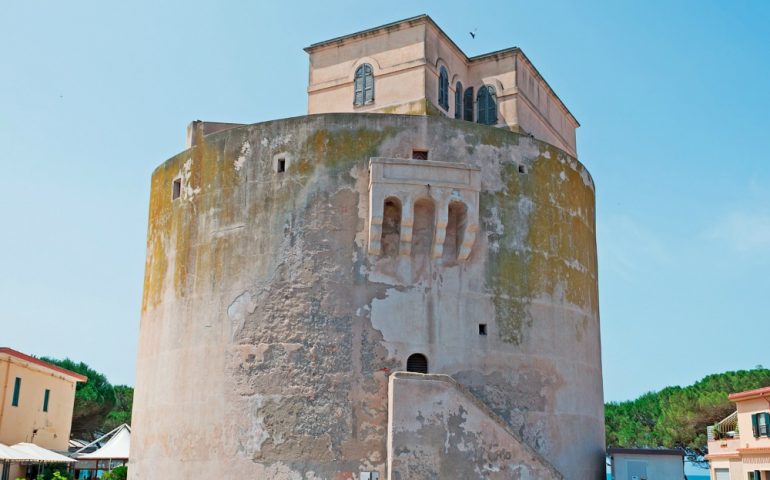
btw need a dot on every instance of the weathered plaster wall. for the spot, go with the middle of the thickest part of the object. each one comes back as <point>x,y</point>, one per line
<point>439,430</point>
<point>268,332</point>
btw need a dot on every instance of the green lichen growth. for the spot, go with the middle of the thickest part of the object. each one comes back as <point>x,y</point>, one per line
<point>547,247</point>
<point>339,150</point>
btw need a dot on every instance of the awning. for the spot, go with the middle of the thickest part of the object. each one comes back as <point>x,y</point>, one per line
<point>116,448</point>
<point>8,454</point>
<point>40,454</point>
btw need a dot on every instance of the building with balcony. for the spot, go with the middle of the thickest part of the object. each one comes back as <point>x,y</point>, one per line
<point>739,445</point>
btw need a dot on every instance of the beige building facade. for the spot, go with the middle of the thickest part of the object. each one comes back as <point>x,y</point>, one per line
<point>406,60</point>
<point>739,445</point>
<point>367,293</point>
<point>37,401</point>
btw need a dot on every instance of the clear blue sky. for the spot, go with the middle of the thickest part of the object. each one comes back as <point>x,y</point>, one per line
<point>673,98</point>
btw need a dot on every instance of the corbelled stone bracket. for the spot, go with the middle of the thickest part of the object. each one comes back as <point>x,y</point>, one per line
<point>410,181</point>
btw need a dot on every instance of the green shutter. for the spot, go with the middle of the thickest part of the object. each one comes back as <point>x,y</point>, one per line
<point>45,399</point>
<point>16,392</point>
<point>481,105</point>
<point>755,424</point>
<point>468,104</point>
<point>368,84</point>
<point>458,100</point>
<point>358,86</point>
<point>767,424</point>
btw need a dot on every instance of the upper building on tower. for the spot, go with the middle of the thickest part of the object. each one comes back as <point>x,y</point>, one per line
<point>413,67</point>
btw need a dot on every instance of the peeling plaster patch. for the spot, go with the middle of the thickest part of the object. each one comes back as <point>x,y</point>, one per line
<point>241,160</point>
<point>276,141</point>
<point>524,207</point>
<point>576,265</point>
<point>495,228</point>
<point>586,178</point>
<point>562,176</point>
<point>547,154</point>
<point>258,432</point>
<point>282,471</point>
<point>188,192</point>
<point>239,309</point>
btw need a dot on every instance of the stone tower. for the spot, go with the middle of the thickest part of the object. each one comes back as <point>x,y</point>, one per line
<point>296,268</point>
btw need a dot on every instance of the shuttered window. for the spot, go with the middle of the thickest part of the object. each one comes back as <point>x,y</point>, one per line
<point>458,100</point>
<point>443,88</point>
<point>363,85</point>
<point>46,396</point>
<point>468,104</point>
<point>755,424</point>
<point>487,105</point>
<point>763,422</point>
<point>417,362</point>
<point>16,392</point>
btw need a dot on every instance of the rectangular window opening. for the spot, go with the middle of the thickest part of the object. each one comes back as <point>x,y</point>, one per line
<point>420,154</point>
<point>522,169</point>
<point>16,392</point>
<point>281,165</point>
<point>45,399</point>
<point>176,190</point>
<point>482,328</point>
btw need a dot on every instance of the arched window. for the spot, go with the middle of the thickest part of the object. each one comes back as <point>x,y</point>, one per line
<point>487,105</point>
<point>364,85</point>
<point>443,89</point>
<point>391,227</point>
<point>417,362</point>
<point>457,219</point>
<point>468,104</point>
<point>458,100</point>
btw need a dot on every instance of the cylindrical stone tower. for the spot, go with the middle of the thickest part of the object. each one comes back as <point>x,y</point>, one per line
<point>294,265</point>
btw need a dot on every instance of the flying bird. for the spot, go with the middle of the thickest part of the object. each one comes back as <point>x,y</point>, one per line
<point>473,33</point>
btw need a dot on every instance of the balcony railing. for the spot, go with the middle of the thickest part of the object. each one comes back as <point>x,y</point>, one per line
<point>726,428</point>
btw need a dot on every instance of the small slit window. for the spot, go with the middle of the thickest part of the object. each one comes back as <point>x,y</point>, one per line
<point>363,85</point>
<point>46,397</point>
<point>281,166</point>
<point>420,154</point>
<point>176,189</point>
<point>483,329</point>
<point>417,362</point>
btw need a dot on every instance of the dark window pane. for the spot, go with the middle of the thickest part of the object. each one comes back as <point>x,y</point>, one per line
<point>458,100</point>
<point>16,392</point>
<point>468,104</point>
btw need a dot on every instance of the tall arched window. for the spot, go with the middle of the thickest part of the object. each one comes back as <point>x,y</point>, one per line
<point>487,105</point>
<point>417,362</point>
<point>364,85</point>
<point>443,88</point>
<point>468,104</point>
<point>458,100</point>
<point>391,227</point>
